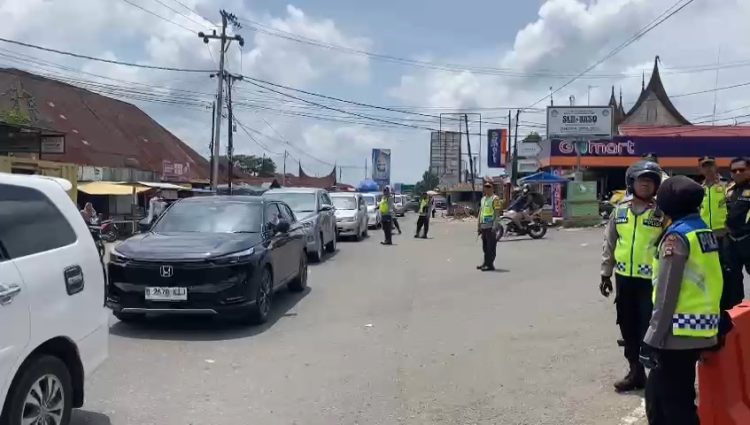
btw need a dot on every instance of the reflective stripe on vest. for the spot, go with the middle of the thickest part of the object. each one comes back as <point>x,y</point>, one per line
<point>384,206</point>
<point>637,236</point>
<point>714,206</point>
<point>697,311</point>
<point>488,209</point>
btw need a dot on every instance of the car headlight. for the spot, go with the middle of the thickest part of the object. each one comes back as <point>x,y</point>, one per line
<point>235,257</point>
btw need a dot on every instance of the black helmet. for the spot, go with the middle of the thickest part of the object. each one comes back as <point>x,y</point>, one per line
<point>642,169</point>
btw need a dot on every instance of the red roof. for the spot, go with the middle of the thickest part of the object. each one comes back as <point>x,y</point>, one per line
<point>686,131</point>
<point>99,130</point>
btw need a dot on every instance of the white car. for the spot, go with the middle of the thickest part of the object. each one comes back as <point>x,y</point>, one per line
<point>53,324</point>
<point>373,212</point>
<point>351,214</point>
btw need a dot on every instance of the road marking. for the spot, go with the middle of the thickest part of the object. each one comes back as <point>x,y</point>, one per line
<point>636,415</point>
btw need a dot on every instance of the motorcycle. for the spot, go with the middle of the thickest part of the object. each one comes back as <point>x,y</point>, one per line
<point>108,230</point>
<point>536,228</point>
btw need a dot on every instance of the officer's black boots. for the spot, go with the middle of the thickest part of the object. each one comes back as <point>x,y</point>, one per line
<point>634,380</point>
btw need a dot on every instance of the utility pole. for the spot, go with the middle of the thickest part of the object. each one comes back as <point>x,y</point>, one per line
<point>471,163</point>
<point>365,168</point>
<point>230,128</point>
<point>224,42</point>
<point>283,178</point>
<point>514,172</point>
<point>211,145</point>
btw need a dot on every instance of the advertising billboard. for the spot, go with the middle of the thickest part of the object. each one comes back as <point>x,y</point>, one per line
<point>381,166</point>
<point>662,147</point>
<point>579,122</point>
<point>497,147</point>
<point>175,171</point>
<point>445,157</point>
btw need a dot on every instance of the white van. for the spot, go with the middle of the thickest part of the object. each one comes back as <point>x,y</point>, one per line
<point>53,324</point>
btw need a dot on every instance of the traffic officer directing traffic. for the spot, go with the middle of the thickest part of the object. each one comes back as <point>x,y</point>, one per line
<point>687,292</point>
<point>489,209</point>
<point>629,248</point>
<point>738,225</point>
<point>424,216</point>
<point>386,213</point>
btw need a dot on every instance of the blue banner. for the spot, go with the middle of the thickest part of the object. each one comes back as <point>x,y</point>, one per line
<point>497,140</point>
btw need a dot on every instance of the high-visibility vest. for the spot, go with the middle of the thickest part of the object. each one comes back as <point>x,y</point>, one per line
<point>423,206</point>
<point>488,209</point>
<point>697,311</point>
<point>637,236</point>
<point>714,206</point>
<point>384,209</point>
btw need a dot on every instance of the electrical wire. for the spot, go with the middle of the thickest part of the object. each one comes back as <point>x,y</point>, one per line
<point>671,11</point>
<point>110,61</point>
<point>158,16</point>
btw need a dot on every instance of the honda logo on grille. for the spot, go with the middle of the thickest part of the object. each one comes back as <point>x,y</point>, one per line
<point>166,271</point>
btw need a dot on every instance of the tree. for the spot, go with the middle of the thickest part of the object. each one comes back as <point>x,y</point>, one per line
<point>533,137</point>
<point>429,181</point>
<point>253,165</point>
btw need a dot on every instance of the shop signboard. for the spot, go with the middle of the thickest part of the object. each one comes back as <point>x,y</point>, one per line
<point>662,147</point>
<point>175,171</point>
<point>579,122</point>
<point>445,157</point>
<point>497,147</point>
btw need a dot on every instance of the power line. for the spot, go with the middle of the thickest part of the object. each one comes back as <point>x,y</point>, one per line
<point>180,13</point>
<point>110,61</point>
<point>293,146</point>
<point>671,11</point>
<point>157,15</point>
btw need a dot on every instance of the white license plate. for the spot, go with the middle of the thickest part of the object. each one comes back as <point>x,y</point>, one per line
<point>166,294</point>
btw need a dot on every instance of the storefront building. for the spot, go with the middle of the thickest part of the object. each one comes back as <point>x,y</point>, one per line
<point>653,126</point>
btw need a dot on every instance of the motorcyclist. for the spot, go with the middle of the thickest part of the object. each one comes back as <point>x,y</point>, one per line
<point>520,209</point>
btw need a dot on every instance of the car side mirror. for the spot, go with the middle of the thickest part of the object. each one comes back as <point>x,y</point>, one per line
<point>326,208</point>
<point>282,226</point>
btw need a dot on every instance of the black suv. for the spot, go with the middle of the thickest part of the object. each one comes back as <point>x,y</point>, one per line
<point>209,255</point>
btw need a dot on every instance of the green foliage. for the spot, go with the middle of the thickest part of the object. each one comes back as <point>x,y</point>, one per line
<point>15,116</point>
<point>429,182</point>
<point>256,166</point>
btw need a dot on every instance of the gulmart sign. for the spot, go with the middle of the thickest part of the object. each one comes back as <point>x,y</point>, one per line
<point>603,147</point>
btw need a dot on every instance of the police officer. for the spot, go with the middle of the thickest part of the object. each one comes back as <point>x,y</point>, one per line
<point>714,208</point>
<point>738,225</point>
<point>386,212</point>
<point>424,216</point>
<point>489,210</point>
<point>687,292</point>
<point>629,248</point>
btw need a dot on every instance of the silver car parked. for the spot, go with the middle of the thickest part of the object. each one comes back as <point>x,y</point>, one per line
<point>351,214</point>
<point>315,210</point>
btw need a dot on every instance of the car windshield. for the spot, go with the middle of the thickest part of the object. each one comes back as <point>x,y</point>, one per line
<point>211,217</point>
<point>345,203</point>
<point>370,200</point>
<point>298,202</point>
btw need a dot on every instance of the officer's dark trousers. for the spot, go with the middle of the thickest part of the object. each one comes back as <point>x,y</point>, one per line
<point>489,246</point>
<point>423,221</point>
<point>736,257</point>
<point>670,389</point>
<point>395,224</point>
<point>387,228</point>
<point>634,308</point>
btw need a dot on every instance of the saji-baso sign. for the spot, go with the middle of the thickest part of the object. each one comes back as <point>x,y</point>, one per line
<point>579,122</point>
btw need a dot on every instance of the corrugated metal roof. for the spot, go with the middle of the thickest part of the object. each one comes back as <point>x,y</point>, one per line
<point>99,130</point>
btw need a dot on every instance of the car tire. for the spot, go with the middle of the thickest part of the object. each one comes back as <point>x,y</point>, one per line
<point>299,283</point>
<point>317,256</point>
<point>258,312</point>
<point>41,373</point>
<point>129,317</point>
<point>331,246</point>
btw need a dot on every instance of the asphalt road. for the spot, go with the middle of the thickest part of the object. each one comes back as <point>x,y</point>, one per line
<point>406,334</point>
